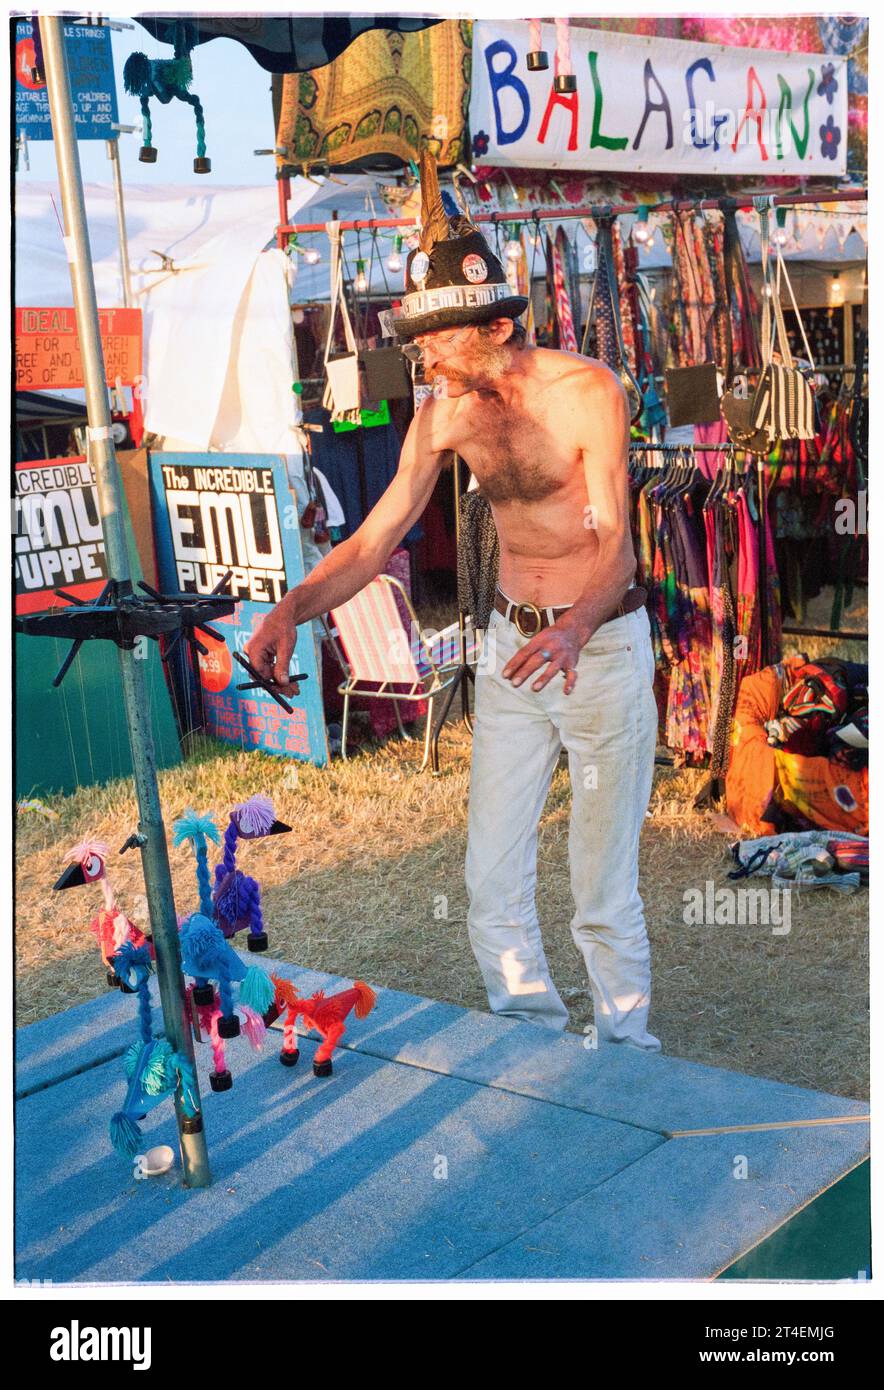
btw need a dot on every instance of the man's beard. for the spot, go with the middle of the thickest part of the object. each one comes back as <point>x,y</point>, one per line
<point>489,364</point>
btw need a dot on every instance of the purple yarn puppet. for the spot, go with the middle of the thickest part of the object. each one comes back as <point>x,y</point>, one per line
<point>237,897</point>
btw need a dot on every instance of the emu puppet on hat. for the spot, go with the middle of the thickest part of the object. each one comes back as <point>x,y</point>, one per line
<point>453,277</point>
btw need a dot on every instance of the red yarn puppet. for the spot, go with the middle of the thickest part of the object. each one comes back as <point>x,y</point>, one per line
<point>111,927</point>
<point>326,1015</point>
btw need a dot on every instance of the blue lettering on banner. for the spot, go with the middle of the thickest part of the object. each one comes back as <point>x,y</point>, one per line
<point>505,77</point>
<point>652,106</point>
<point>703,65</point>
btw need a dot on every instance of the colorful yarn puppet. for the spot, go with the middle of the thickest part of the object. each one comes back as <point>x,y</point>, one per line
<point>198,830</point>
<point>111,928</point>
<point>165,79</point>
<point>237,898</point>
<point>206,956</point>
<point>325,1015</point>
<point>153,1068</point>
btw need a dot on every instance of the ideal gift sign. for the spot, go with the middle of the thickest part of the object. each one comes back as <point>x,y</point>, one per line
<point>47,348</point>
<point>657,105</point>
<point>219,512</point>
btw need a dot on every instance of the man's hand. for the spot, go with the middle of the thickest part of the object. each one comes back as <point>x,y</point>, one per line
<point>271,646</point>
<point>557,647</point>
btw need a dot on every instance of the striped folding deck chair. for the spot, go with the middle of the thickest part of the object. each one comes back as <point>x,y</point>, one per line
<point>382,659</point>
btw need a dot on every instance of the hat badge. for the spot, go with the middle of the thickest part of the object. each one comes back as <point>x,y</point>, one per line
<point>420,267</point>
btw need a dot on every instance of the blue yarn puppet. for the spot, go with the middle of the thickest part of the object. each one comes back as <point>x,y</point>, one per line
<point>166,79</point>
<point>237,897</point>
<point>206,955</point>
<point>153,1068</point>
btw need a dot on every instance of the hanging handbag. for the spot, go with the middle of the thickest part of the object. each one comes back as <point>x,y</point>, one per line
<point>385,374</point>
<point>341,397</point>
<point>783,402</point>
<point>692,395</point>
<point>692,392</point>
<point>737,400</point>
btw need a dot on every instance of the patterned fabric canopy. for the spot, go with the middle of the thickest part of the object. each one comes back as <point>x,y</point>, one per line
<point>379,103</point>
<point>284,43</point>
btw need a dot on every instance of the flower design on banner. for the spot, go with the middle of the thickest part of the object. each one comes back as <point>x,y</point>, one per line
<point>830,138</point>
<point>480,143</point>
<point>828,84</point>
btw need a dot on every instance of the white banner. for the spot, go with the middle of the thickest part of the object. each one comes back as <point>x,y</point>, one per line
<point>657,105</point>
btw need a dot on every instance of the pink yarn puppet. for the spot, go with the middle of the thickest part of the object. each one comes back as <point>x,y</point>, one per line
<point>87,863</point>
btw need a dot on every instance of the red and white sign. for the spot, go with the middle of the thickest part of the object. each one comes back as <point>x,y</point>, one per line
<point>47,348</point>
<point>57,538</point>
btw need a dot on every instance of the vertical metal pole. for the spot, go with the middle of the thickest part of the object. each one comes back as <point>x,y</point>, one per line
<point>113,154</point>
<point>155,859</point>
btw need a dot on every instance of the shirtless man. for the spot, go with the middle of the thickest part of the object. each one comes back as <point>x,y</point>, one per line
<point>545,433</point>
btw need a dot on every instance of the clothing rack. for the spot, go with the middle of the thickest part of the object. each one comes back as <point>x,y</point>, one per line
<point>744,203</point>
<point>728,447</point>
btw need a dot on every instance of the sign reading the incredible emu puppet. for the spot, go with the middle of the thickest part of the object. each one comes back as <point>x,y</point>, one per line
<point>657,105</point>
<point>220,512</point>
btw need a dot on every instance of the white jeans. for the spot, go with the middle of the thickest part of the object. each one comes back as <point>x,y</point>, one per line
<point>608,727</point>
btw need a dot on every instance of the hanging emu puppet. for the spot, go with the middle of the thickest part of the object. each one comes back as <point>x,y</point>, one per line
<point>326,1015</point>
<point>153,1068</point>
<point>237,898</point>
<point>87,863</point>
<point>212,962</point>
<point>165,78</point>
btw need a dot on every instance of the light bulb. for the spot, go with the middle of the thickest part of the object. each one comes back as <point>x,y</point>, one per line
<point>837,289</point>
<point>642,231</point>
<point>312,256</point>
<point>360,283</point>
<point>514,250</point>
<point>781,236</point>
<point>394,260</point>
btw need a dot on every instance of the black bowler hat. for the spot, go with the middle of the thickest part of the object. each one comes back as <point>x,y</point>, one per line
<point>453,278</point>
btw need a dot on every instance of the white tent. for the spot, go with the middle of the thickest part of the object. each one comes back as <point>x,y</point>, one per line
<point>217,331</point>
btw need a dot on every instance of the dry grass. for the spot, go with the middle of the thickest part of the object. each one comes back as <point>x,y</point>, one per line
<point>356,889</point>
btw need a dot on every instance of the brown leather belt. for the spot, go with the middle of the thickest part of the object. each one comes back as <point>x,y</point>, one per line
<point>539,618</point>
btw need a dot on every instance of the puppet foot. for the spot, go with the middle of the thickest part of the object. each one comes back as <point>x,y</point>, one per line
<point>290,1059</point>
<point>322,1068</point>
<point>203,994</point>
<point>257,941</point>
<point>147,154</point>
<point>113,980</point>
<point>220,1080</point>
<point>202,165</point>
<point>228,1027</point>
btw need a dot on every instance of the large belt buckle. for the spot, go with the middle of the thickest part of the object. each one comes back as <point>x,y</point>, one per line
<point>532,608</point>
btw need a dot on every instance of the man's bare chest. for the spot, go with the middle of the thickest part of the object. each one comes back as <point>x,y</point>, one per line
<point>515,457</point>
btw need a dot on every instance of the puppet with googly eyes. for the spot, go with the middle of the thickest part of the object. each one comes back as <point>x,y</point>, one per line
<point>87,864</point>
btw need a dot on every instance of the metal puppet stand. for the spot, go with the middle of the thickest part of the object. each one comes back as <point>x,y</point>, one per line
<point>151,837</point>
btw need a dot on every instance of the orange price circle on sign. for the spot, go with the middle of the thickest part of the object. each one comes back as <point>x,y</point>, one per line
<point>216,667</point>
<point>25,62</point>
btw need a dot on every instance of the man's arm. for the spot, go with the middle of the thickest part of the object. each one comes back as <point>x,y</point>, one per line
<point>602,424</point>
<point>356,561</point>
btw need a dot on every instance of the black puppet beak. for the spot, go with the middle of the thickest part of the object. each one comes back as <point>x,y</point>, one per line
<point>278,828</point>
<point>73,877</point>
